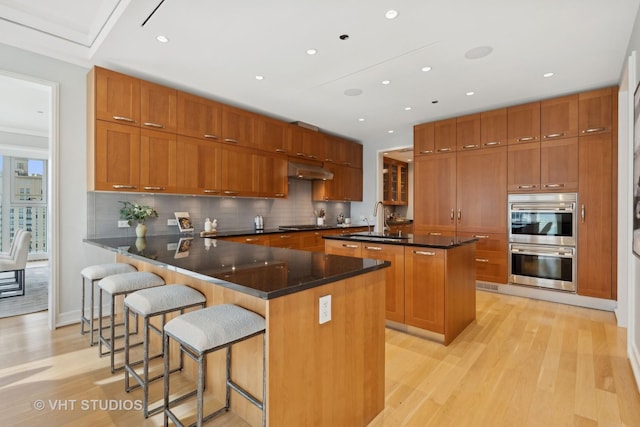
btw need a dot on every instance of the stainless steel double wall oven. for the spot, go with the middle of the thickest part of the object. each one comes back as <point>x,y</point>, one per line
<point>542,240</point>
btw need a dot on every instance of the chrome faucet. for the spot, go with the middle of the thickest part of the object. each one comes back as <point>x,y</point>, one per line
<point>368,225</point>
<point>385,227</point>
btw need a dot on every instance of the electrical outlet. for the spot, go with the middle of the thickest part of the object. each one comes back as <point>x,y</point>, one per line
<point>325,309</point>
<point>123,224</point>
<point>172,221</point>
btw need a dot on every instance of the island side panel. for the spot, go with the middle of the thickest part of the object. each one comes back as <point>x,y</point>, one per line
<point>247,356</point>
<point>460,290</point>
<point>330,374</point>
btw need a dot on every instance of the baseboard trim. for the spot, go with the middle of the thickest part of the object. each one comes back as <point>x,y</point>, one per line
<point>634,358</point>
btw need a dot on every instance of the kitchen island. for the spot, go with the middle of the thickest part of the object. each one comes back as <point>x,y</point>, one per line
<point>317,374</point>
<point>430,286</point>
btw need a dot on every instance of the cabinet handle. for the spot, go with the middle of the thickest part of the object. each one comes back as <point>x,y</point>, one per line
<point>434,234</point>
<point>443,150</point>
<point>280,150</point>
<point>124,119</point>
<point>554,135</point>
<point>231,193</point>
<point>452,214</point>
<point>123,187</point>
<point>582,213</point>
<point>465,147</point>
<point>527,186</point>
<point>154,188</point>
<point>231,140</point>
<point>373,248</point>
<point>350,246</point>
<point>210,136</point>
<point>482,260</point>
<point>424,253</point>
<point>153,125</point>
<point>279,194</point>
<point>251,239</point>
<point>526,138</point>
<point>491,144</point>
<point>285,236</point>
<point>426,152</point>
<point>592,130</point>
<point>211,191</point>
<point>480,236</point>
<point>553,185</point>
<point>346,163</point>
<point>312,156</point>
<point>459,214</point>
<point>300,154</point>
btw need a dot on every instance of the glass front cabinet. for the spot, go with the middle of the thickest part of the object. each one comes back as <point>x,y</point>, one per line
<point>395,182</point>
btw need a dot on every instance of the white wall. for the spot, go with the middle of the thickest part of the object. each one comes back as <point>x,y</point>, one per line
<point>72,195</point>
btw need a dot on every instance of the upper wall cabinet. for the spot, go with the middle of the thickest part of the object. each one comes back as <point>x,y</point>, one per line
<point>199,117</point>
<point>559,117</point>
<point>237,126</point>
<point>117,97</point>
<point>271,135</point>
<point>423,139</point>
<point>468,132</point>
<point>595,111</point>
<point>158,107</point>
<point>523,123</point>
<point>493,128</point>
<point>444,135</point>
<point>306,143</point>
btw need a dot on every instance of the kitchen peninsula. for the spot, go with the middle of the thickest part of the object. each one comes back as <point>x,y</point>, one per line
<point>317,374</point>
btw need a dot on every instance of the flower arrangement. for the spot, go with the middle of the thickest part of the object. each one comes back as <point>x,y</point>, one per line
<point>135,212</point>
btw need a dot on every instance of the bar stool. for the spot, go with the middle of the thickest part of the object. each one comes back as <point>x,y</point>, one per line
<point>93,273</point>
<point>201,332</point>
<point>115,285</point>
<point>148,303</point>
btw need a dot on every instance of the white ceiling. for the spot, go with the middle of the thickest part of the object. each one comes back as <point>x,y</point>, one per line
<point>217,48</point>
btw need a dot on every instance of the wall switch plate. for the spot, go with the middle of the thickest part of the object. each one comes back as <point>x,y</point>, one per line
<point>172,221</point>
<point>325,309</point>
<point>123,224</point>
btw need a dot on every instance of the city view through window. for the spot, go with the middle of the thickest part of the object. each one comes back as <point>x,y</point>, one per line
<point>23,203</point>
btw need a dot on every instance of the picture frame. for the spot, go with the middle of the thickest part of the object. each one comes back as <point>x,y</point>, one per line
<point>184,222</point>
<point>636,172</point>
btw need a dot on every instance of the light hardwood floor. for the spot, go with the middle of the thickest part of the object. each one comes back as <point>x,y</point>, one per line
<point>522,363</point>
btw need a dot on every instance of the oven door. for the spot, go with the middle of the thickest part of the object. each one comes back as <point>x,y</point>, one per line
<point>543,266</point>
<point>547,224</point>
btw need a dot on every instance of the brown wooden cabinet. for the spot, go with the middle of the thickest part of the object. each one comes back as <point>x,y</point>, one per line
<point>434,193</point>
<point>306,143</point>
<point>116,96</point>
<point>158,161</point>
<point>523,123</point>
<point>395,182</point>
<point>523,171</point>
<point>596,108</point>
<point>468,132</point>
<point>240,171</point>
<point>342,151</point>
<point>424,139</point>
<point>425,288</point>
<point>493,127</point>
<point>198,166</point>
<point>272,175</point>
<point>116,157</point>
<point>272,135</point>
<point>158,107</point>
<point>346,185</point>
<point>596,223</point>
<point>262,240</point>
<point>199,117</point>
<point>559,117</point>
<point>237,126</point>
<point>285,240</point>
<point>491,259</point>
<point>342,247</point>
<point>444,135</point>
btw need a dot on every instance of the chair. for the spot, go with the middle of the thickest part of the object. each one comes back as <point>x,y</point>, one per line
<point>15,262</point>
<point>14,244</point>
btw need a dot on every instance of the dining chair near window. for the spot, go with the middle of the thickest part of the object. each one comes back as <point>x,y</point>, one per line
<point>15,262</point>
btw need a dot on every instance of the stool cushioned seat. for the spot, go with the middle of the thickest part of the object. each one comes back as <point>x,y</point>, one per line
<point>129,282</point>
<point>166,298</point>
<point>214,326</point>
<point>100,271</point>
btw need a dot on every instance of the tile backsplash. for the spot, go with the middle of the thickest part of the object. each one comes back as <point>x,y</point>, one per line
<point>232,213</point>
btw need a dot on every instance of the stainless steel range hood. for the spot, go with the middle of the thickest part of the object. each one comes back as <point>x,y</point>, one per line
<point>304,171</point>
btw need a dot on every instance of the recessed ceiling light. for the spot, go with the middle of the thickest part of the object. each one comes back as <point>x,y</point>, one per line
<point>259,77</point>
<point>311,51</point>
<point>386,82</point>
<point>390,131</point>
<point>478,52</point>
<point>547,75</point>
<point>353,92</point>
<point>425,69</point>
<point>470,93</point>
<point>361,119</point>
<point>391,14</point>
<point>162,39</point>
<point>407,108</point>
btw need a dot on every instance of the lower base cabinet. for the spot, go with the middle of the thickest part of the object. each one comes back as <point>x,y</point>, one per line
<point>424,284</point>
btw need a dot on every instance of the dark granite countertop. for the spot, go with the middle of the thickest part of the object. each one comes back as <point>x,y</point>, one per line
<point>261,271</point>
<point>278,230</point>
<point>425,241</point>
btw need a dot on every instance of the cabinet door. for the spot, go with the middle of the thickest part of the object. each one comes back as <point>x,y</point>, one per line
<point>272,175</point>
<point>435,193</point>
<point>468,132</point>
<point>355,154</point>
<point>352,184</point>
<point>596,111</point>
<point>595,226</point>
<point>272,135</point>
<point>424,288</point>
<point>307,143</point>
<point>199,117</point>
<point>493,128</point>
<point>559,165</point>
<point>444,134</point>
<point>491,256</point>
<point>240,176</point>
<point>424,139</point>
<point>523,123</point>
<point>117,97</point>
<point>158,161</point>
<point>117,157</point>
<point>559,117</point>
<point>285,240</point>
<point>343,247</point>
<point>523,169</point>
<point>262,240</point>
<point>394,277</point>
<point>199,166</point>
<point>482,190</point>
<point>237,126</point>
<point>158,107</point>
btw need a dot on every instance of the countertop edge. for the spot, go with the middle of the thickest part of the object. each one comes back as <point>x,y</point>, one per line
<point>399,242</point>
